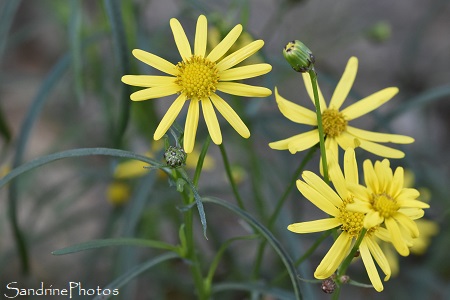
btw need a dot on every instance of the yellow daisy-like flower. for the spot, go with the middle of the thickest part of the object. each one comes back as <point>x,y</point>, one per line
<point>197,78</point>
<point>335,120</point>
<point>350,223</point>
<point>386,201</point>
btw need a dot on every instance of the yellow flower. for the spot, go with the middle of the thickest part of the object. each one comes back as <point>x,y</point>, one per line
<point>386,201</point>
<point>349,223</point>
<point>197,77</point>
<point>335,121</point>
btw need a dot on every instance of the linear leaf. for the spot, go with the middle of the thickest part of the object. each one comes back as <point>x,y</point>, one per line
<point>94,244</point>
<point>75,153</point>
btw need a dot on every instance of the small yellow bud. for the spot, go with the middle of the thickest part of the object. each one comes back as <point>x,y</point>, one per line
<point>299,56</point>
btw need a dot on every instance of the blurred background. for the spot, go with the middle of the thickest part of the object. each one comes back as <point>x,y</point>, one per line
<point>61,64</point>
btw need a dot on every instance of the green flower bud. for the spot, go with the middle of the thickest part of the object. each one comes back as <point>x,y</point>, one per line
<point>175,157</point>
<point>299,56</point>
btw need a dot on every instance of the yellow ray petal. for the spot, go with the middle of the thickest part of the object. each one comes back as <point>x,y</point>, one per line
<point>169,117</point>
<point>359,206</point>
<point>369,103</point>
<point>379,137</point>
<point>370,267</point>
<point>295,112</point>
<point>345,84</point>
<point>230,115</point>
<point>148,80</point>
<point>225,44</point>
<point>320,186</point>
<point>408,194</point>
<point>412,213</point>
<point>296,139</point>
<point>201,34</point>
<point>245,90</point>
<point>412,203</point>
<point>181,39</point>
<point>378,255</point>
<point>155,61</point>
<point>336,176</point>
<point>245,72</point>
<point>408,224</point>
<point>309,89</point>
<point>211,121</point>
<point>155,92</point>
<point>351,166</point>
<point>334,256</point>
<point>396,185</point>
<point>372,219</point>
<point>396,237</point>
<point>190,128</point>
<point>317,199</point>
<point>346,140</point>
<point>381,150</point>
<point>239,55</point>
<point>300,142</point>
<point>314,226</point>
<point>370,177</point>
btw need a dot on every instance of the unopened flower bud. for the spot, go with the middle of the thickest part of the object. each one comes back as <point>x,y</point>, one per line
<point>299,56</point>
<point>328,285</point>
<point>175,157</point>
<point>344,279</point>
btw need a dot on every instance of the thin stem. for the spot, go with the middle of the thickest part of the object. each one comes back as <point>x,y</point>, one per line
<point>190,245</point>
<point>230,176</point>
<point>346,263</point>
<point>313,76</point>
<point>201,158</point>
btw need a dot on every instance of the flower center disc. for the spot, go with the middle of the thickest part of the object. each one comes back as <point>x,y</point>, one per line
<point>198,77</point>
<point>333,123</point>
<point>385,205</point>
<point>352,222</point>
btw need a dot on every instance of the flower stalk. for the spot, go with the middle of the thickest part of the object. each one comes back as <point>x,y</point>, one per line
<point>313,76</point>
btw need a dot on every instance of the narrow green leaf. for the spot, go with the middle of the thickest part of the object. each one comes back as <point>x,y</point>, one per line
<point>198,200</point>
<point>134,272</point>
<point>114,242</point>
<point>7,13</point>
<point>114,12</point>
<point>75,153</point>
<point>74,31</point>
<point>287,261</point>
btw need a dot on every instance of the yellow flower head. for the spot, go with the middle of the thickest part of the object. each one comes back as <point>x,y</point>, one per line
<point>386,201</point>
<point>335,120</point>
<point>350,223</point>
<point>197,77</point>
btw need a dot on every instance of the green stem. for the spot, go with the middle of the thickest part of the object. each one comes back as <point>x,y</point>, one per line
<point>201,159</point>
<point>191,254</point>
<point>313,76</point>
<point>346,263</point>
<point>230,176</point>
